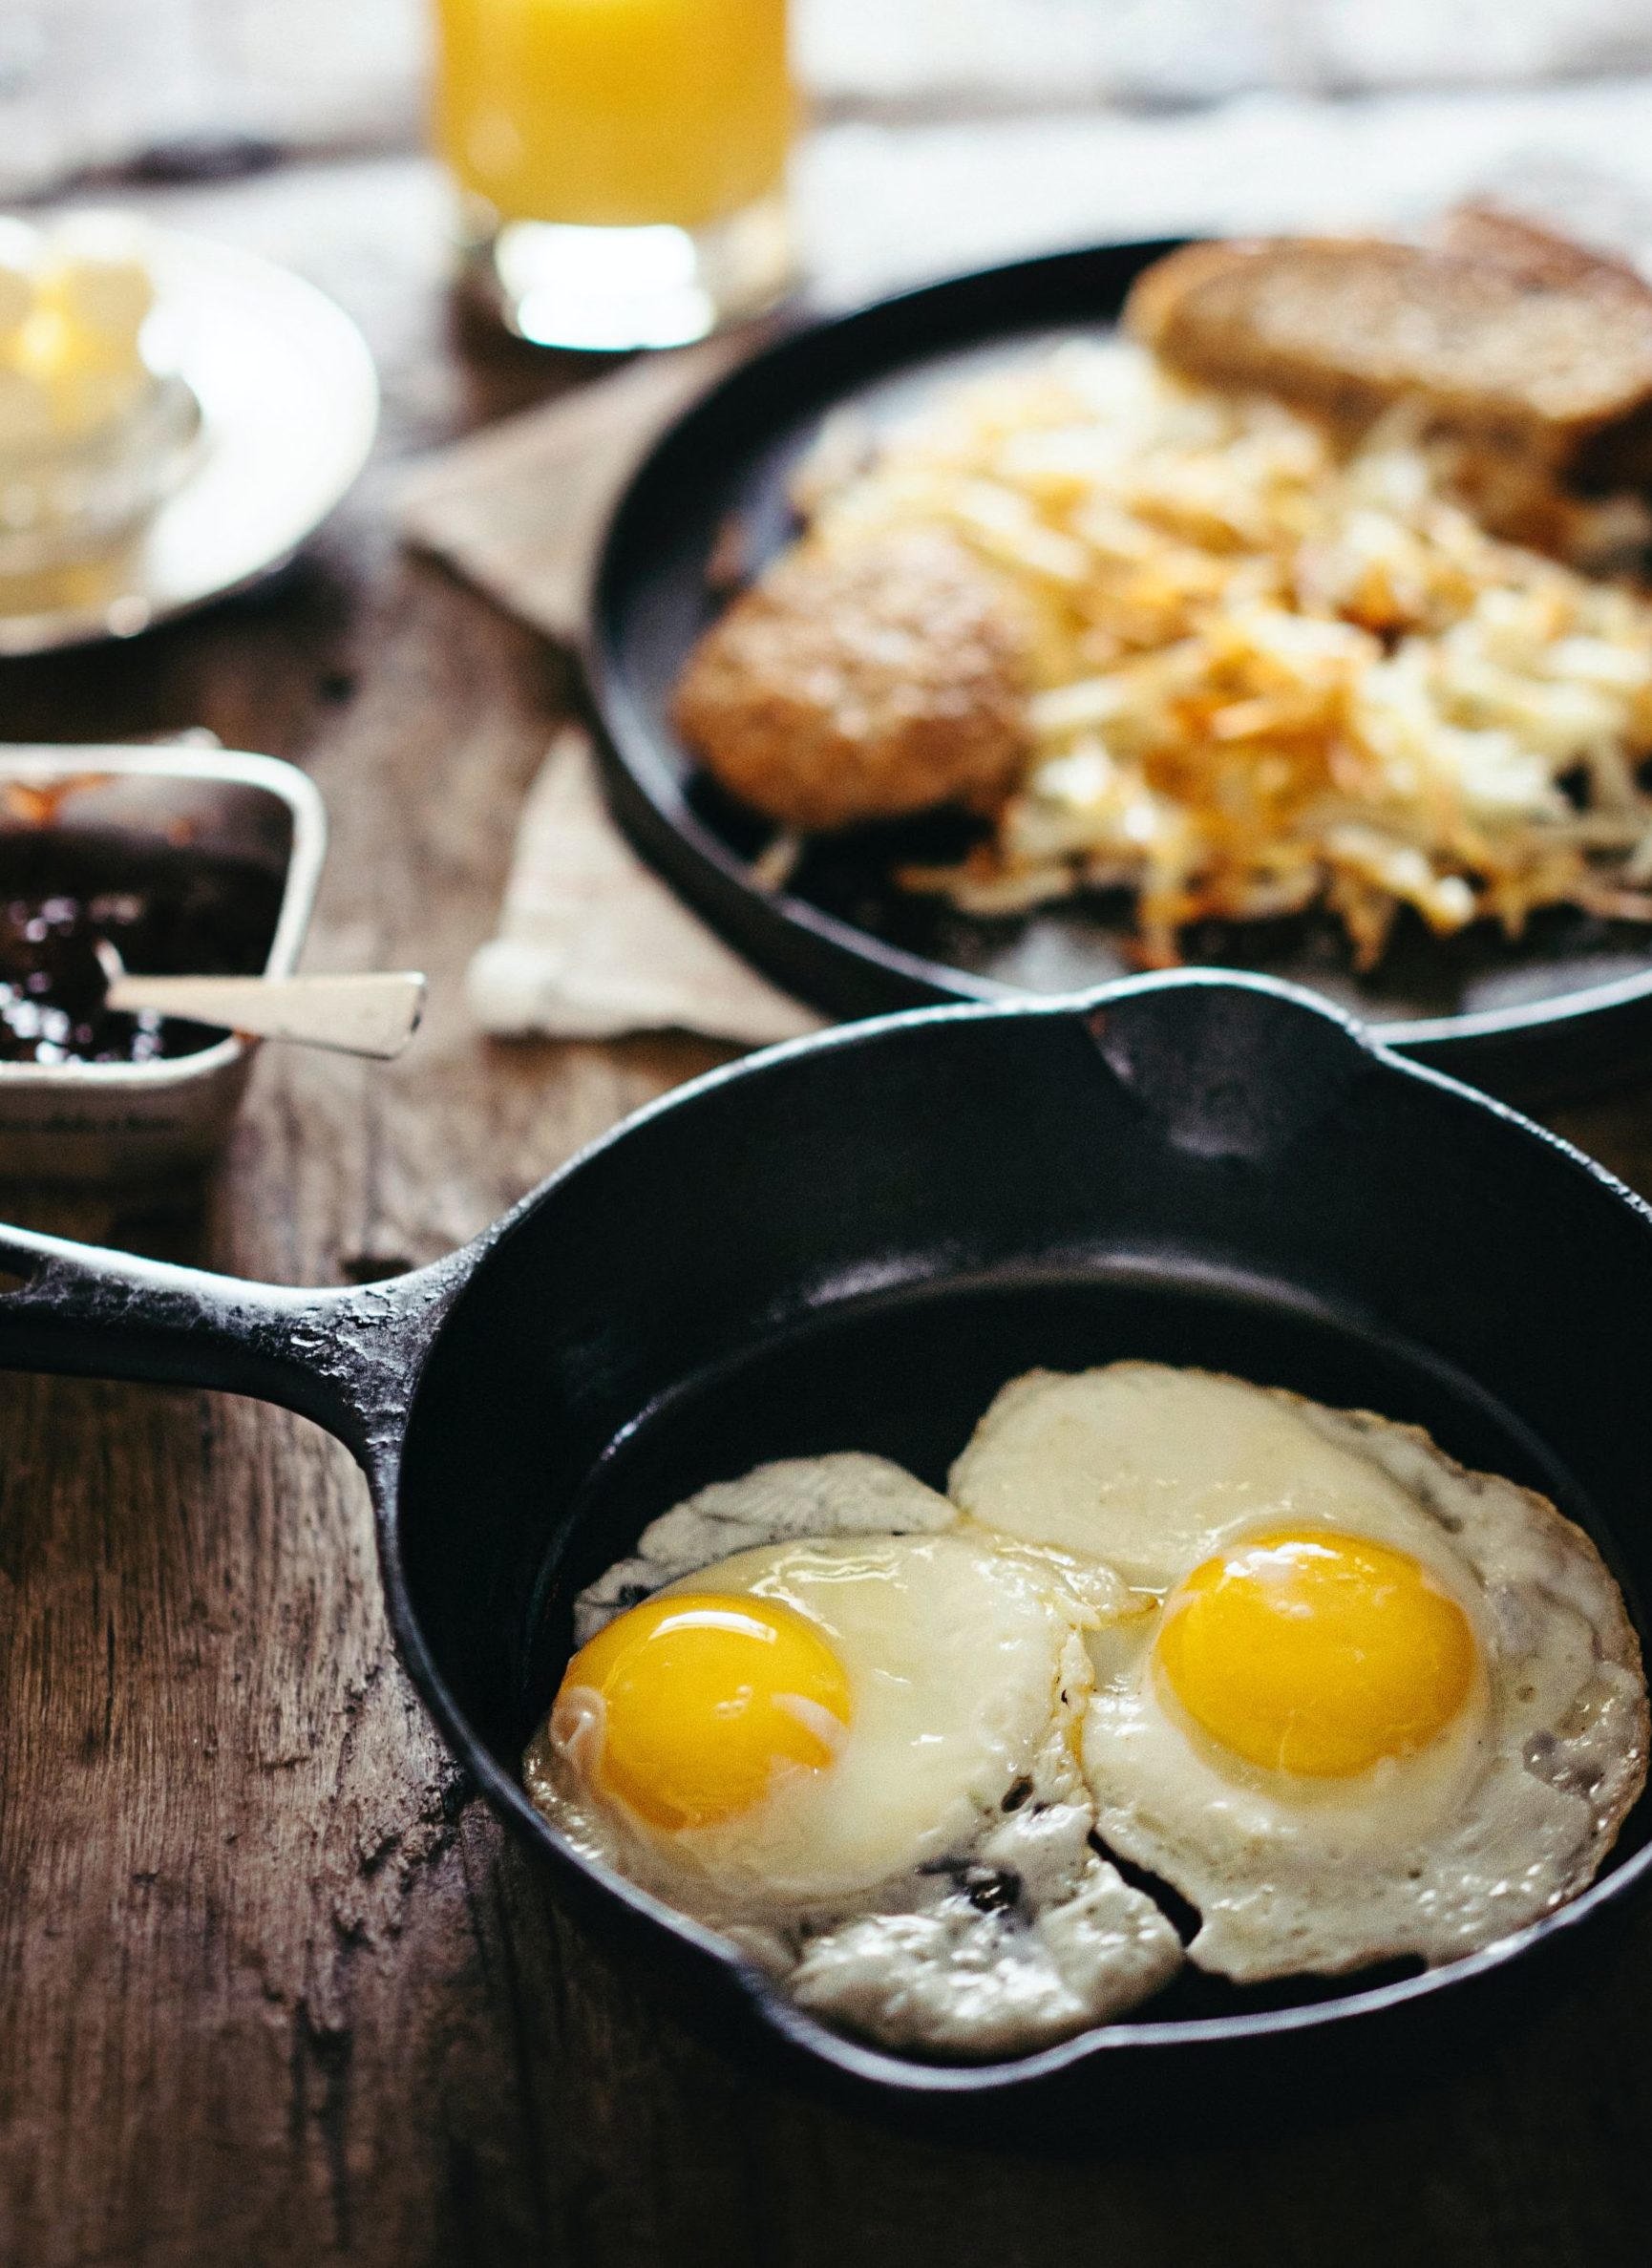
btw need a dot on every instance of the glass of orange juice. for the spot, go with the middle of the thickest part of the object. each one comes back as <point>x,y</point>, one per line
<point>621,163</point>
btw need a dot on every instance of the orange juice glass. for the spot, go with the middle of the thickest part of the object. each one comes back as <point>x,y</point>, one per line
<point>621,163</point>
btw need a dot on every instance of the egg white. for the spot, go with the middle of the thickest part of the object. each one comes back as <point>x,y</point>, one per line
<point>846,1493</point>
<point>1151,1469</point>
<point>1509,1812</point>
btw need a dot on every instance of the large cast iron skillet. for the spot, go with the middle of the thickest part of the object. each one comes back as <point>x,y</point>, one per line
<point>851,1243</point>
<point>1566,1006</point>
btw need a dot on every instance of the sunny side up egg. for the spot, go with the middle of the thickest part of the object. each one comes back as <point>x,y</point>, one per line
<point>1371,1704</point>
<point>1345,1698</point>
<point>803,1722</point>
<point>856,1754</point>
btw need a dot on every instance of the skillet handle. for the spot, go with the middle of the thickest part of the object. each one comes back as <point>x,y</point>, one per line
<point>347,1358</point>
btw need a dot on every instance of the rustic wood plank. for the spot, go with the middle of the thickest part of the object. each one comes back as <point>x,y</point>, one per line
<point>230,1833</point>
<point>272,1985</point>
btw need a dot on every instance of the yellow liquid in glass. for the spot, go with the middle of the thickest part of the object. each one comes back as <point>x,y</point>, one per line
<point>614,114</point>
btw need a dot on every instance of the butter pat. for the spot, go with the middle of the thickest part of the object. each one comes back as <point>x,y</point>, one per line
<point>97,429</point>
<point>27,416</point>
<point>73,300</point>
<point>20,253</point>
<point>100,281</point>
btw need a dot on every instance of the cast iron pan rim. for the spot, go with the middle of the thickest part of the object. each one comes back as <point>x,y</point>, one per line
<point>651,808</point>
<point>763,1996</point>
<point>649,801</point>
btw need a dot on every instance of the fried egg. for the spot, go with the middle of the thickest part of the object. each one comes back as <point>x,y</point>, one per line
<point>855,1751</point>
<point>1367,1704</point>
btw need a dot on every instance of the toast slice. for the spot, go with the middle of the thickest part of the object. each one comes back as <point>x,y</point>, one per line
<point>1479,230</point>
<point>1619,456</point>
<point>1532,347</point>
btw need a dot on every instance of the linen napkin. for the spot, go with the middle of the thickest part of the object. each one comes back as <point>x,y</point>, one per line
<point>590,944</point>
<point>519,508</point>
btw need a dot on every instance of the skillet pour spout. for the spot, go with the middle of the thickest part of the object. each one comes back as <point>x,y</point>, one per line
<point>852,1242</point>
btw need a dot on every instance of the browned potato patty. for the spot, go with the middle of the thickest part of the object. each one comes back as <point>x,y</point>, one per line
<point>862,681</point>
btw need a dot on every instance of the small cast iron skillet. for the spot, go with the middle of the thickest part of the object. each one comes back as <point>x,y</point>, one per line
<point>851,1242</point>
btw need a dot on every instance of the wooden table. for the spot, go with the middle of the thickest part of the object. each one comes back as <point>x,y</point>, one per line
<point>273,1988</point>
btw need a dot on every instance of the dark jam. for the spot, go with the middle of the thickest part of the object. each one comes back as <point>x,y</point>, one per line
<point>167,912</point>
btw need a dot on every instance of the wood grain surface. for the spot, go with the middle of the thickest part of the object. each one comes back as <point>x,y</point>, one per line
<point>273,1988</point>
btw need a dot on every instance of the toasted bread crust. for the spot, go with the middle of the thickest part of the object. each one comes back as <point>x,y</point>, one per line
<point>1537,349</point>
<point>1524,248</point>
<point>862,681</point>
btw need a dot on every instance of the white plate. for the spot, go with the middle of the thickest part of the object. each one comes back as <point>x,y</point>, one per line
<point>289,403</point>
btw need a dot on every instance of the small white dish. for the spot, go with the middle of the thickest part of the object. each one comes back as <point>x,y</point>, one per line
<point>288,403</point>
<point>112,1122</point>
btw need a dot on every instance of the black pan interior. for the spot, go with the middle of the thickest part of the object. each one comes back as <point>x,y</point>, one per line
<point>856,1247</point>
<point>841,933</point>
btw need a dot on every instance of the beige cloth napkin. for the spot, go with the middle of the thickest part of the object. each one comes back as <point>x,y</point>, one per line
<point>591,942</point>
<point>520,507</point>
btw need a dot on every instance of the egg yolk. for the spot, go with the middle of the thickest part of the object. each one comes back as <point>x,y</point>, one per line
<point>1316,1653</point>
<point>699,1701</point>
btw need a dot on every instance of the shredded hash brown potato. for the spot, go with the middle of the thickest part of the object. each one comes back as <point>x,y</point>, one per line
<point>1269,675</point>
